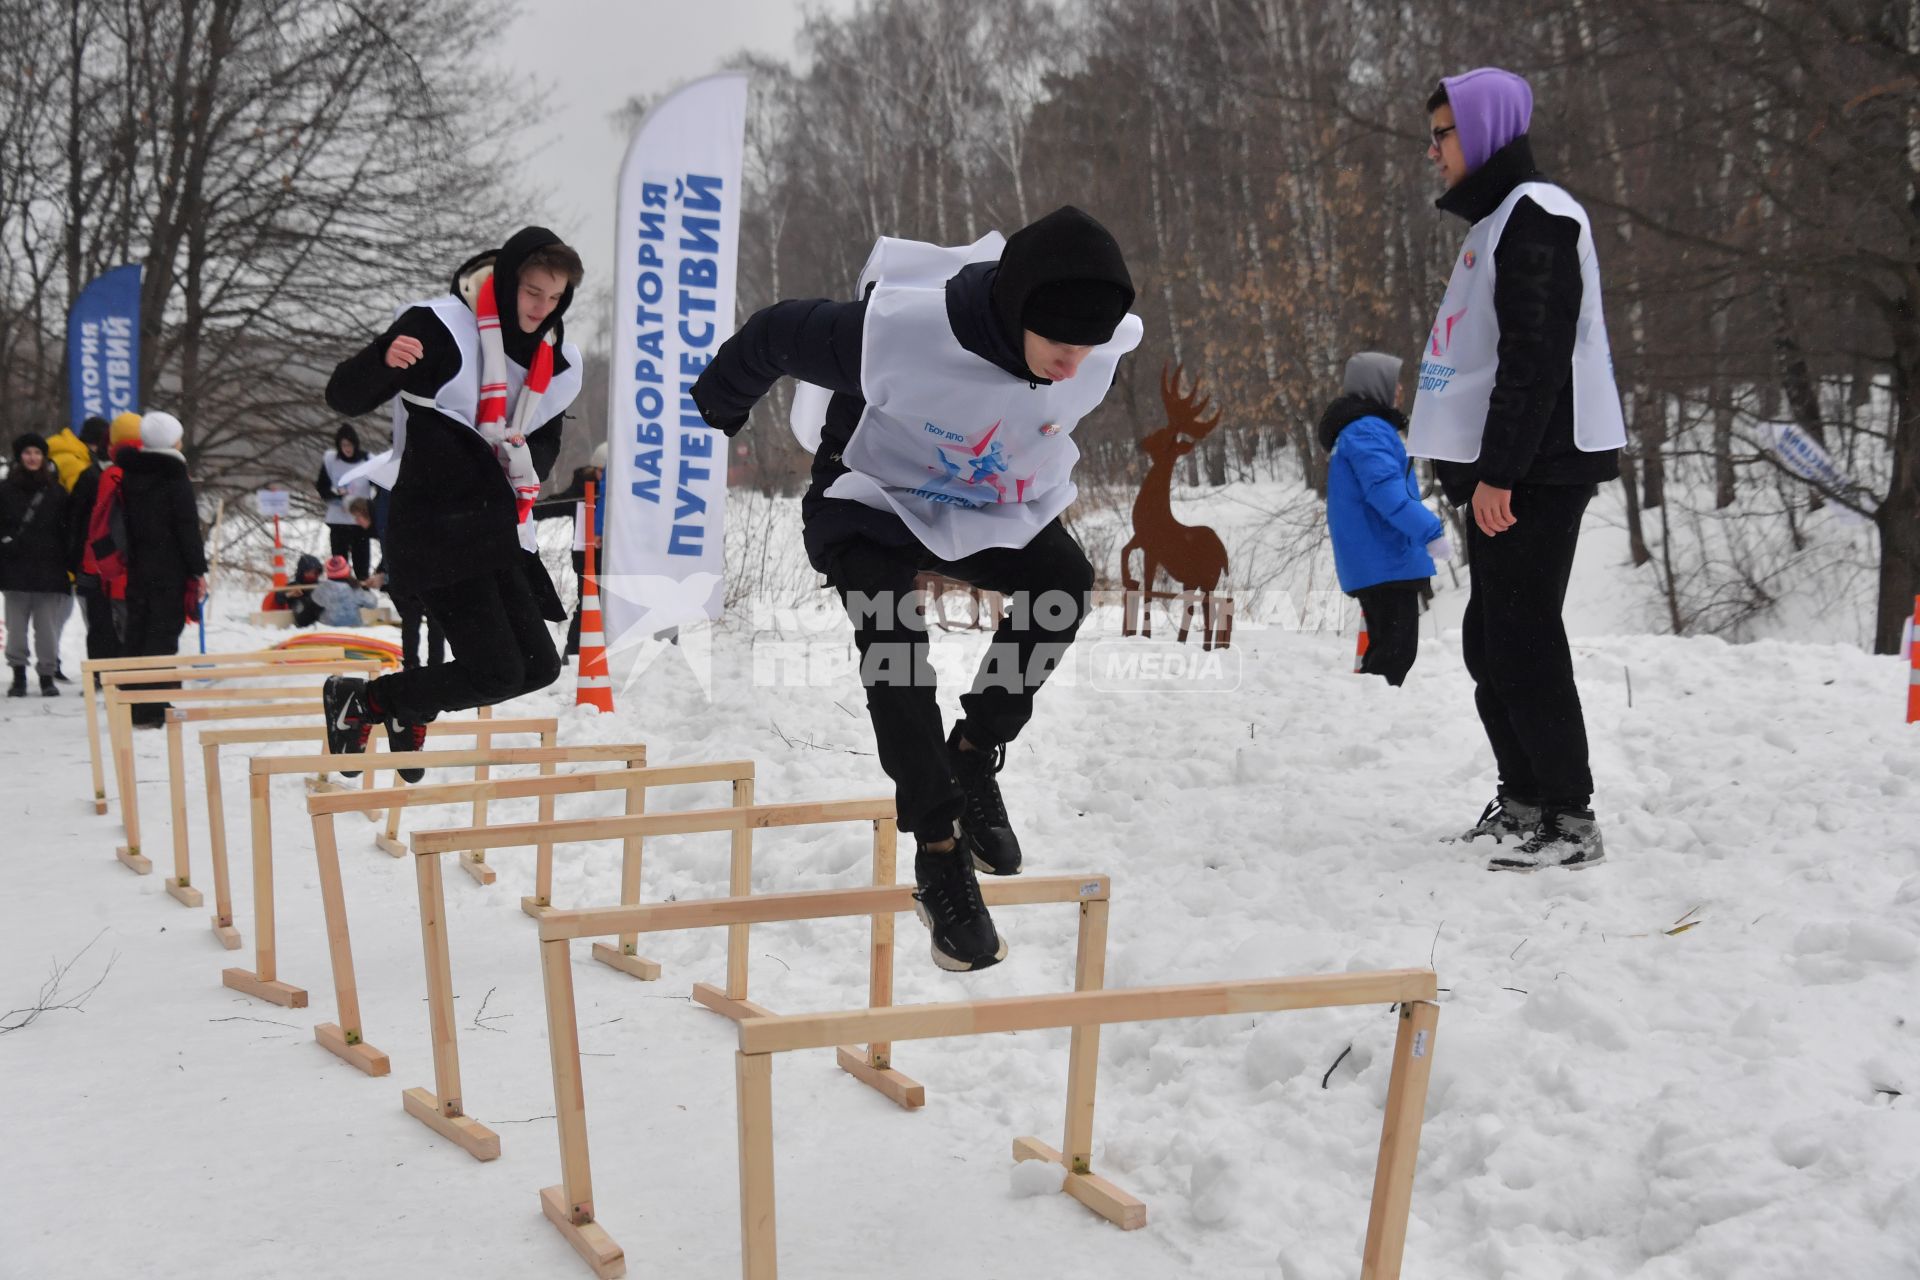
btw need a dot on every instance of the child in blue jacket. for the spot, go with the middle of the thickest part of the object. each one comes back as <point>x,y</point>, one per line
<point>1384,540</point>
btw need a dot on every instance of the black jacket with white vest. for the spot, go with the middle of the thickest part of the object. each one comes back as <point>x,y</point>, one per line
<point>1529,431</point>
<point>452,515</point>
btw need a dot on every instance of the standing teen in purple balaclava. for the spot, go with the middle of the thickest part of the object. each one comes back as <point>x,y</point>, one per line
<point>1517,407</point>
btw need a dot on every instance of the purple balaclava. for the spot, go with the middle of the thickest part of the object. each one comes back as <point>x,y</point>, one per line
<point>1491,108</point>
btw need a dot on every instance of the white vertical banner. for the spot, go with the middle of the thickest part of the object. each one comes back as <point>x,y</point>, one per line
<point>676,242</point>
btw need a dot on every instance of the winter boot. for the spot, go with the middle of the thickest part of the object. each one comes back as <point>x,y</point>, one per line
<point>61,676</point>
<point>985,829</point>
<point>48,689</point>
<point>349,720</point>
<point>19,688</point>
<point>947,900</point>
<point>1504,816</point>
<point>1567,838</point>
<point>407,737</point>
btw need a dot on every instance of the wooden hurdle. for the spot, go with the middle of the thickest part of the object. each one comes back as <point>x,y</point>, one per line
<point>211,742</point>
<point>570,1205</point>
<point>347,1037</point>
<point>101,666</point>
<point>121,701</point>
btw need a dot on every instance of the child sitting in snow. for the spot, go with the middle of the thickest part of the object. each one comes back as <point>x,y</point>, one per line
<point>340,598</point>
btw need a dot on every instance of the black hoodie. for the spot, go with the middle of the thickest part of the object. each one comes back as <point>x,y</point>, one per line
<point>163,522</point>
<point>819,341</point>
<point>452,515</point>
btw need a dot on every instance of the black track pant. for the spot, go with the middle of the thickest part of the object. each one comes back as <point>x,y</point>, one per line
<point>1047,584</point>
<point>1515,645</point>
<point>156,613</point>
<point>1393,631</point>
<point>501,649</point>
<point>353,542</point>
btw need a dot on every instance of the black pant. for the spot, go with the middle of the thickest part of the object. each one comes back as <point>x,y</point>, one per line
<point>1392,615</point>
<point>156,613</point>
<point>103,640</point>
<point>353,542</point>
<point>1515,644</point>
<point>413,612</point>
<point>1047,584</point>
<point>501,649</point>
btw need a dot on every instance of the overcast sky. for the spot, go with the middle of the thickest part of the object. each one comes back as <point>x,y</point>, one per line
<point>607,51</point>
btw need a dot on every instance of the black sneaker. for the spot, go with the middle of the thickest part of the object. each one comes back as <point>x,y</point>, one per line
<point>1567,838</point>
<point>947,901</point>
<point>349,722</point>
<point>984,827</point>
<point>407,737</point>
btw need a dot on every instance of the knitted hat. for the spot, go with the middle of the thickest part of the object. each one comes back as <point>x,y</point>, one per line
<point>161,431</point>
<point>1064,278</point>
<point>29,440</point>
<point>124,430</point>
<point>599,458</point>
<point>93,434</point>
<point>337,569</point>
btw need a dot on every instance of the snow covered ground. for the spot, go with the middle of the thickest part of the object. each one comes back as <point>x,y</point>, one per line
<point>1611,1097</point>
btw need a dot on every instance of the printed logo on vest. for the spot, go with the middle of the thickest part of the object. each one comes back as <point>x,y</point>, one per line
<point>963,468</point>
<point>1468,259</point>
<point>1434,374</point>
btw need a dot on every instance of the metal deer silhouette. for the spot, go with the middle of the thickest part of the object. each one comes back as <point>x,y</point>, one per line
<point>1191,555</point>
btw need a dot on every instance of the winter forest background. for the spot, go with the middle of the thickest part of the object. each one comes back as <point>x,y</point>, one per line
<point>286,172</point>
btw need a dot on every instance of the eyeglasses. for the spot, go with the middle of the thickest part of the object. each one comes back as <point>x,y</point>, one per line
<point>1440,134</point>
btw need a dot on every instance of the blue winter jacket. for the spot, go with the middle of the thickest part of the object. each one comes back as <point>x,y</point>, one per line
<point>1380,529</point>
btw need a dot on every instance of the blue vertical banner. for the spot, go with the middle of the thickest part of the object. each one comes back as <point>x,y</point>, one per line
<point>676,246</point>
<point>103,347</point>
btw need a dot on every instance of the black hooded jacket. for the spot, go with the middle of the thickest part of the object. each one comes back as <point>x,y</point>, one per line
<point>453,514</point>
<point>163,522</point>
<point>34,528</point>
<point>1536,300</point>
<point>819,341</point>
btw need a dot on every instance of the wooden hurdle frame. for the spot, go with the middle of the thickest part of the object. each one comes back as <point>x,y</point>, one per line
<point>570,1205</point>
<point>101,666</point>
<point>211,742</point>
<point>263,980</point>
<point>121,701</point>
<point>346,1038</point>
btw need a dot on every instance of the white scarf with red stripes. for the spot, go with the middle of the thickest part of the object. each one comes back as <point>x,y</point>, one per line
<point>509,440</point>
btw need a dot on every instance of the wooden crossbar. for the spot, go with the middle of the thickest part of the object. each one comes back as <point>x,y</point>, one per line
<point>522,788</point>
<point>277,710</point>
<point>101,666</point>
<point>806,904</point>
<point>238,693</point>
<point>783,1033</point>
<point>687,822</point>
<point>318,733</point>
<point>453,759</point>
<point>265,671</point>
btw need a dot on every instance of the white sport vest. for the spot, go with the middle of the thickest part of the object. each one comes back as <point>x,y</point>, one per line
<point>459,397</point>
<point>1462,354</point>
<point>968,456</point>
<point>356,486</point>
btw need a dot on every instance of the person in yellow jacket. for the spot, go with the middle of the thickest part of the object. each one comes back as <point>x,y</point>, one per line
<point>70,454</point>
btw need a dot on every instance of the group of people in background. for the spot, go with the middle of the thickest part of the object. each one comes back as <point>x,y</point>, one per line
<point>108,514</point>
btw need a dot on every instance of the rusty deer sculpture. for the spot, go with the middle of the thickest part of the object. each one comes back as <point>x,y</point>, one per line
<point>1191,555</point>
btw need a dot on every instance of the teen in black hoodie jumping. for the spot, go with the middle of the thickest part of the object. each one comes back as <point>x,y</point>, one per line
<point>946,447</point>
<point>455,531</point>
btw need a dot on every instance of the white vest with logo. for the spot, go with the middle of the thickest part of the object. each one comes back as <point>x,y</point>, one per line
<point>966,454</point>
<point>1463,351</point>
<point>459,397</point>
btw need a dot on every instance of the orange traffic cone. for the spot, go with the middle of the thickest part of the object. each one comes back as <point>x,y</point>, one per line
<point>279,558</point>
<point>596,686</point>
<point>1360,647</point>
<point>1913,657</point>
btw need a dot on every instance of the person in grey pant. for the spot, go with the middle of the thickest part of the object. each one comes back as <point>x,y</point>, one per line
<point>33,563</point>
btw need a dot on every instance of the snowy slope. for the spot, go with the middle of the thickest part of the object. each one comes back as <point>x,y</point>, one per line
<point>1609,1100</point>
